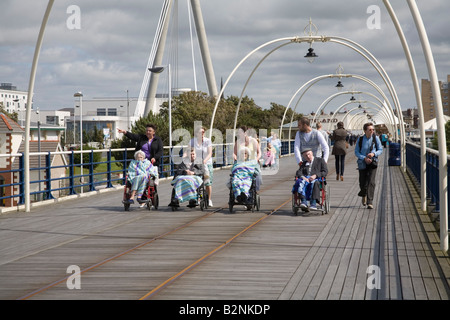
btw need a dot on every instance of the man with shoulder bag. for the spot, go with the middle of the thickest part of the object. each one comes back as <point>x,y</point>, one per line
<point>368,149</point>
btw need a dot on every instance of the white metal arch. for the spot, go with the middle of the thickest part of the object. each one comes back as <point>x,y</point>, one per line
<point>380,109</point>
<point>314,80</point>
<point>330,98</point>
<point>360,49</point>
<point>428,54</point>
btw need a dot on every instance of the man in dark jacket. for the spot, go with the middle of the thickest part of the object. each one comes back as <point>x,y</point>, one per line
<point>149,142</point>
<point>311,169</point>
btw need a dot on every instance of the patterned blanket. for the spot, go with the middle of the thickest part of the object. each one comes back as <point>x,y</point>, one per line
<point>186,187</point>
<point>241,181</point>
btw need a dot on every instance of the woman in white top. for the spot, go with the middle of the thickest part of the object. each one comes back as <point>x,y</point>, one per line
<point>244,140</point>
<point>203,152</point>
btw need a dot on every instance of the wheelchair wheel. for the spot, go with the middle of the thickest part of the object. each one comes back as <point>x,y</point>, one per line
<point>126,196</point>
<point>231,201</point>
<point>203,204</point>
<point>258,202</point>
<point>327,199</point>
<point>155,202</point>
<point>294,205</point>
<point>205,199</point>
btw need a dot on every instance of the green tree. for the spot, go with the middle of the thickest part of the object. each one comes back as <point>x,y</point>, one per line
<point>447,138</point>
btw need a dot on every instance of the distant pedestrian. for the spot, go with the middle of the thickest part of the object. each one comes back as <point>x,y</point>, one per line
<point>324,133</point>
<point>367,150</point>
<point>339,151</point>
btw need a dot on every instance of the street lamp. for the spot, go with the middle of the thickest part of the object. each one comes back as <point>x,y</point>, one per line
<point>339,86</point>
<point>160,69</point>
<point>310,30</point>
<point>80,96</point>
<point>128,112</point>
<point>311,55</point>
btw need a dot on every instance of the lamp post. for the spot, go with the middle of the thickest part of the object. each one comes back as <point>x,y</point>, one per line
<point>80,96</point>
<point>310,30</point>
<point>128,112</point>
<point>160,69</point>
<point>39,151</point>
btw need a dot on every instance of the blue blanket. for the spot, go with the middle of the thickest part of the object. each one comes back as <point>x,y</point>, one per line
<point>242,178</point>
<point>186,187</point>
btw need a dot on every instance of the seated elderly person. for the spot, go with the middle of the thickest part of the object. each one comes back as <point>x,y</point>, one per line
<point>140,171</point>
<point>305,187</point>
<point>242,174</point>
<point>188,178</point>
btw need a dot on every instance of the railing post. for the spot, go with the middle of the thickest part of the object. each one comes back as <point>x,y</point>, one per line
<point>91,171</point>
<point>21,180</point>
<point>48,177</point>
<point>71,173</point>
<point>124,167</point>
<point>108,169</point>
<point>171,163</point>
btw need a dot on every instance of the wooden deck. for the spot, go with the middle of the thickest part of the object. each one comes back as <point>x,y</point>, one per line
<point>265,255</point>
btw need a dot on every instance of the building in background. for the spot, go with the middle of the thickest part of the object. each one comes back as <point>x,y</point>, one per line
<point>13,100</point>
<point>428,104</point>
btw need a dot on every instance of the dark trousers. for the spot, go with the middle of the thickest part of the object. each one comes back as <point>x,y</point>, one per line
<point>367,184</point>
<point>340,164</point>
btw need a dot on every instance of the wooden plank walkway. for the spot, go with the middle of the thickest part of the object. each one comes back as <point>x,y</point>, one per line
<point>277,256</point>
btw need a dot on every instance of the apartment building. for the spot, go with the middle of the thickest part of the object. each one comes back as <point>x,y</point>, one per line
<point>429,111</point>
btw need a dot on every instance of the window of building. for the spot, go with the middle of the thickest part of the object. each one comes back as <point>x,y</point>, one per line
<point>52,120</point>
<point>112,111</point>
<point>101,112</point>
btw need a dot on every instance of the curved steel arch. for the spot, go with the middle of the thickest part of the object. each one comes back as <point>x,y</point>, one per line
<point>313,81</point>
<point>326,101</point>
<point>443,174</point>
<point>338,40</point>
<point>380,109</point>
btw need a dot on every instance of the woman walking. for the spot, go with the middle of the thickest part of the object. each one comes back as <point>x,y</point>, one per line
<point>339,149</point>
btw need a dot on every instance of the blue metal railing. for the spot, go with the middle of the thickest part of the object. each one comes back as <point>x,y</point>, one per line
<point>432,169</point>
<point>70,183</point>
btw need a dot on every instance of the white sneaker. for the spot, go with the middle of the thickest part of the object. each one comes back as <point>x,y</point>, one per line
<point>210,203</point>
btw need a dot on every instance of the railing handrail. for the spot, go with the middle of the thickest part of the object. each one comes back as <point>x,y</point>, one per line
<point>222,158</point>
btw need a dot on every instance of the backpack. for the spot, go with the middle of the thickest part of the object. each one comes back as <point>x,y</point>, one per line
<point>373,142</point>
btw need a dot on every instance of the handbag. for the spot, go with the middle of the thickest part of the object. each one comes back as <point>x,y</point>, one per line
<point>374,163</point>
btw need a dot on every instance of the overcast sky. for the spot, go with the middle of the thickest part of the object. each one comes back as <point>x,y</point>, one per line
<point>108,54</point>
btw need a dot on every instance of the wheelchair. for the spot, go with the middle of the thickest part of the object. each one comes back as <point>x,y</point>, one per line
<point>323,205</point>
<point>150,196</point>
<point>251,203</point>
<point>201,200</point>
